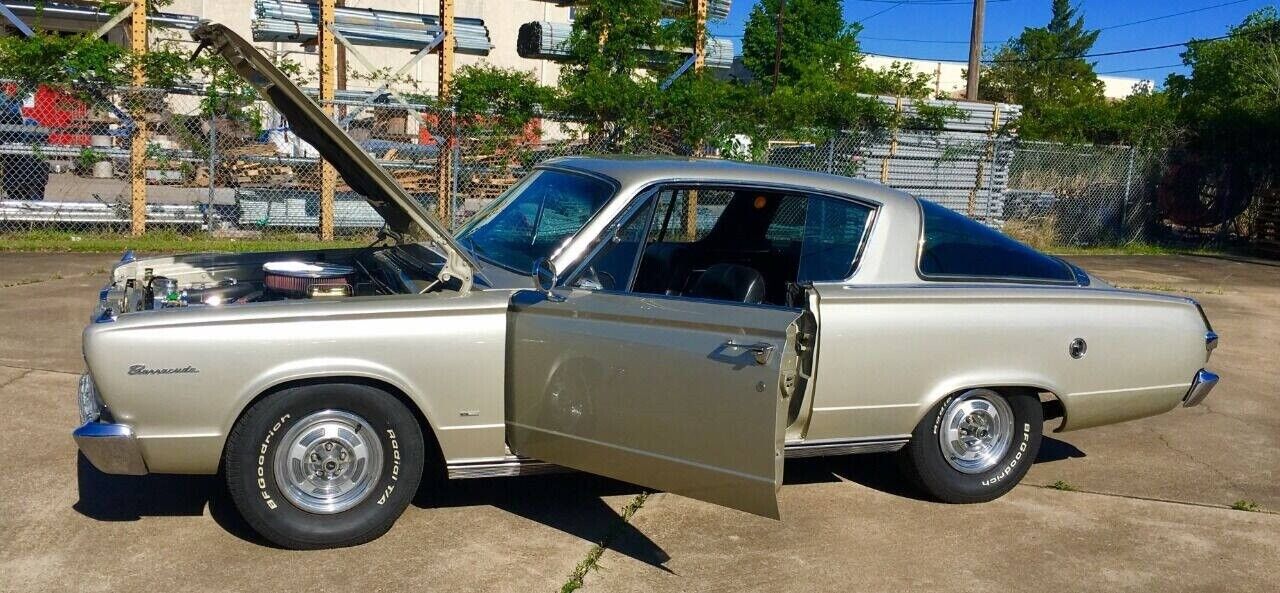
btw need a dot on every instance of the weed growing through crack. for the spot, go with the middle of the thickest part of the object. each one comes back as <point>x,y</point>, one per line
<point>1246,505</point>
<point>592,560</point>
<point>1063,485</point>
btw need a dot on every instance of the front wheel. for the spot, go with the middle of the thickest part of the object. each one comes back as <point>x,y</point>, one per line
<point>324,466</point>
<point>975,445</point>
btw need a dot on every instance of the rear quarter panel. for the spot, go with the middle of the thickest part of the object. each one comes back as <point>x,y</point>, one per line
<point>889,353</point>
<point>445,352</point>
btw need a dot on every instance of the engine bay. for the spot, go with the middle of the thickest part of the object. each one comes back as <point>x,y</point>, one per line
<point>187,281</point>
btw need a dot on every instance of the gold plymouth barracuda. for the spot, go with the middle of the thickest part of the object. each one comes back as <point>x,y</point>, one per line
<point>685,325</point>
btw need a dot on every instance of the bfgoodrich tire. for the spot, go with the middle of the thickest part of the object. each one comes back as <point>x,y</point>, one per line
<point>324,465</point>
<point>975,445</point>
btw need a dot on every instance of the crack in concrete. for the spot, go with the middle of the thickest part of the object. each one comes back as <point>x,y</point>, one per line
<point>1206,505</point>
<point>1243,421</point>
<point>21,368</point>
<point>20,376</point>
<point>30,281</point>
<point>1212,468</point>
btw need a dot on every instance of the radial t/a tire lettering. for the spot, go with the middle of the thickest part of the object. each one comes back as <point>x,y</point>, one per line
<point>974,445</point>
<point>324,465</point>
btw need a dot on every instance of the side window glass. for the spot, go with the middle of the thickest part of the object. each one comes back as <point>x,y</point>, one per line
<point>612,266</point>
<point>788,222</point>
<point>956,246</point>
<point>687,215</point>
<point>833,233</point>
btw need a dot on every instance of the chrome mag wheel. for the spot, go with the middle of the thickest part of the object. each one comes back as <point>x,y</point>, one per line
<point>975,431</point>
<point>328,462</point>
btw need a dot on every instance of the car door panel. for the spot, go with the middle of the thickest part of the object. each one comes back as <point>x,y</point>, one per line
<point>654,390</point>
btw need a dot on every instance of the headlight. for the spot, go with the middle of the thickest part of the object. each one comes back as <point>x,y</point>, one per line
<point>89,408</point>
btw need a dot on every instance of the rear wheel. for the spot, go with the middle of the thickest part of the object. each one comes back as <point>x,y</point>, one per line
<point>975,445</point>
<point>324,466</point>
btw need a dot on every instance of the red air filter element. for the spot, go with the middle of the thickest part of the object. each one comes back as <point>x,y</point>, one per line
<point>294,278</point>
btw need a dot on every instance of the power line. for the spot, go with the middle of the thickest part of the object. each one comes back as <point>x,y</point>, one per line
<point>1171,15</point>
<point>1106,28</point>
<point>877,13</point>
<point>1141,69</point>
<point>1092,55</point>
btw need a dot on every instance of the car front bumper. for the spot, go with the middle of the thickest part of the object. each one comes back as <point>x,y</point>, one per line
<point>1200,388</point>
<point>112,448</point>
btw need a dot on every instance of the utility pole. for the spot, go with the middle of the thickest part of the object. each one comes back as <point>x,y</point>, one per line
<point>777,47</point>
<point>975,48</point>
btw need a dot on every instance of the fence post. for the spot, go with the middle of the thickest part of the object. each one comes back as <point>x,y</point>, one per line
<point>1128,194</point>
<point>138,145</point>
<point>444,154</point>
<point>893,141</point>
<point>989,154</point>
<point>213,164</point>
<point>455,172</point>
<point>831,152</point>
<point>328,80</point>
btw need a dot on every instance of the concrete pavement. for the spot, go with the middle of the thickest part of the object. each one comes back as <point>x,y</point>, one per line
<point>1150,512</point>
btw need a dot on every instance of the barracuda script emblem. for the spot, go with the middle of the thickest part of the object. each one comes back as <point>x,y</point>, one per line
<point>141,369</point>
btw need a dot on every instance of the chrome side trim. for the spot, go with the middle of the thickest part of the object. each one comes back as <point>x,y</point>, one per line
<point>1200,388</point>
<point>112,448</point>
<point>523,466</point>
<point>845,447</point>
<point>512,466</point>
<point>1210,340</point>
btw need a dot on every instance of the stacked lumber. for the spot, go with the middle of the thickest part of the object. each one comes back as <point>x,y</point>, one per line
<point>1267,225</point>
<point>415,180</point>
<point>243,166</point>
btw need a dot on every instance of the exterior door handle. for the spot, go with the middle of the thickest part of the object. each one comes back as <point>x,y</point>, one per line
<point>762,350</point>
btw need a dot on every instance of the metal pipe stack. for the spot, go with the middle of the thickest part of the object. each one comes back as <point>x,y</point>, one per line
<point>550,41</point>
<point>716,9</point>
<point>91,14</point>
<point>296,22</point>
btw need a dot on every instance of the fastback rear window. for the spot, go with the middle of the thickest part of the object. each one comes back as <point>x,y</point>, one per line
<point>956,247</point>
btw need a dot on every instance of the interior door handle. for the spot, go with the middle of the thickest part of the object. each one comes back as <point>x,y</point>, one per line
<point>761,350</point>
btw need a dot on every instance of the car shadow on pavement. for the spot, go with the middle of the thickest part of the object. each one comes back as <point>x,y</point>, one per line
<point>107,497</point>
<point>569,502</point>
<point>1052,449</point>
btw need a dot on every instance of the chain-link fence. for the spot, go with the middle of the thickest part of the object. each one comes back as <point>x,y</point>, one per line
<point>230,165</point>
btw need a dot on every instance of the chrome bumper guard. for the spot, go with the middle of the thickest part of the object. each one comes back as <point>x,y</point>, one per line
<point>1200,388</point>
<point>112,448</point>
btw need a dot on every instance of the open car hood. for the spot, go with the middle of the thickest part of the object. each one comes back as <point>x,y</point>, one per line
<point>401,212</point>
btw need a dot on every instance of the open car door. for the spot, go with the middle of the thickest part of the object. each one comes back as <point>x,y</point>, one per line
<point>669,393</point>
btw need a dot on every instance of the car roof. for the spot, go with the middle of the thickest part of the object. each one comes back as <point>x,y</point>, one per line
<point>643,170</point>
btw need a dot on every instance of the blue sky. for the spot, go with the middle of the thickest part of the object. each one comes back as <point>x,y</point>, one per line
<point>920,20</point>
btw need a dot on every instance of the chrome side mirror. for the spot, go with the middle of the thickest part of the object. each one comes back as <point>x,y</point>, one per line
<point>545,276</point>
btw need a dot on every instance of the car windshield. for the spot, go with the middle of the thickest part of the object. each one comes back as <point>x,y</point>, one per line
<point>534,219</point>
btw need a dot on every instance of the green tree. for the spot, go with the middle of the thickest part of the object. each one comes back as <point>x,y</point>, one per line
<point>815,39</point>
<point>1230,104</point>
<point>1044,70</point>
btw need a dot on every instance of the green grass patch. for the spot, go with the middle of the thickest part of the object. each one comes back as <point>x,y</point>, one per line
<point>167,242</point>
<point>1246,505</point>
<point>1063,485</point>
<point>1135,249</point>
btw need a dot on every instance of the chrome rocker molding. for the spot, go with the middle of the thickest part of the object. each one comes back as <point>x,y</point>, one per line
<point>112,448</point>
<point>520,466</point>
<point>1200,388</point>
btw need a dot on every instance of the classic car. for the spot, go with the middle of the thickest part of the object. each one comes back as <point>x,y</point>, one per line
<point>681,324</point>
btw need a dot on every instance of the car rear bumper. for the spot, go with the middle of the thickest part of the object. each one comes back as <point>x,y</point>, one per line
<point>1200,388</point>
<point>112,448</point>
